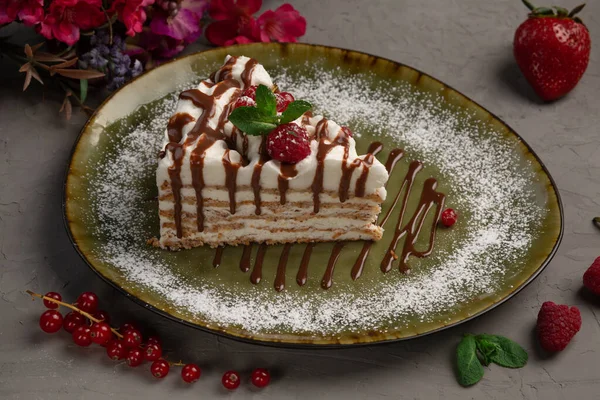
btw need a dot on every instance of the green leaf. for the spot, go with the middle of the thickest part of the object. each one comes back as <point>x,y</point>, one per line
<point>576,10</point>
<point>469,369</point>
<point>487,350</point>
<point>266,100</point>
<point>83,89</point>
<point>509,354</point>
<point>294,110</point>
<point>562,12</point>
<point>528,5</point>
<point>252,120</point>
<point>543,11</point>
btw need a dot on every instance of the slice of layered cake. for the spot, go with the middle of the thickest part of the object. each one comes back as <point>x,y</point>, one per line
<point>243,162</point>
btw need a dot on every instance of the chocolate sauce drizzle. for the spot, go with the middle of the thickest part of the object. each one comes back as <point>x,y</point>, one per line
<point>256,275</point>
<point>429,199</point>
<point>245,260</point>
<point>218,255</point>
<point>203,136</point>
<point>287,171</point>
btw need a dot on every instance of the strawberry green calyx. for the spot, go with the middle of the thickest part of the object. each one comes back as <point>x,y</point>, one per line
<point>554,12</point>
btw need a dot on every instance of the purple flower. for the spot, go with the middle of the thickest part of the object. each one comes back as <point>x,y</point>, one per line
<point>181,22</point>
<point>110,59</point>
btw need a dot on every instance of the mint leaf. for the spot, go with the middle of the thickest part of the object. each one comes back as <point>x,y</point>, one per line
<point>469,369</point>
<point>509,354</point>
<point>266,100</point>
<point>252,120</point>
<point>487,350</point>
<point>294,110</point>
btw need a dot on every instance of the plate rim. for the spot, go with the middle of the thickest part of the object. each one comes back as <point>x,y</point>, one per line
<point>272,342</point>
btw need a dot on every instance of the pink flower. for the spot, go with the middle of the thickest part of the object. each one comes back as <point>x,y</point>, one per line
<point>285,24</point>
<point>66,17</point>
<point>8,11</point>
<point>238,40</point>
<point>225,32</point>
<point>132,13</point>
<point>221,10</point>
<point>181,24</point>
<point>31,12</point>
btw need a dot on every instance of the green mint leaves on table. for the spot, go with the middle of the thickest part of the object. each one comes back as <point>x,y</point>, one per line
<point>475,351</point>
<point>263,118</point>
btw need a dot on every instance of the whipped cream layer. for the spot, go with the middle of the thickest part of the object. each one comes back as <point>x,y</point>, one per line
<point>214,170</point>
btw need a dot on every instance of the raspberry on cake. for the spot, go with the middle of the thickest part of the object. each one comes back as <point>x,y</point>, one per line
<point>298,180</point>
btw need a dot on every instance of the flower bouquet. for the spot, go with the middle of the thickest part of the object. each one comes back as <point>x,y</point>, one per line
<point>105,43</point>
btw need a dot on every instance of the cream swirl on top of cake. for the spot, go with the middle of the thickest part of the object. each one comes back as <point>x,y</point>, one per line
<point>217,146</point>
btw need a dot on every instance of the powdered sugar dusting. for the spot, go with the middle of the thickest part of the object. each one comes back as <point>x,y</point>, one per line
<point>487,178</point>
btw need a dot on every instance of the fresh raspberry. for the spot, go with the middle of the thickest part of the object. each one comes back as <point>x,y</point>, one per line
<point>283,100</point>
<point>556,325</point>
<point>250,91</point>
<point>244,101</point>
<point>591,278</point>
<point>288,143</point>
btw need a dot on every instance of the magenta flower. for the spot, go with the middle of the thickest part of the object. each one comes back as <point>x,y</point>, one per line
<point>221,10</point>
<point>132,13</point>
<point>8,11</point>
<point>31,12</point>
<point>66,17</point>
<point>285,24</point>
<point>225,32</point>
<point>182,23</point>
<point>238,40</point>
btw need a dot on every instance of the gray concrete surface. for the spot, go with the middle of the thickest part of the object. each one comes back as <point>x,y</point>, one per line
<point>464,43</point>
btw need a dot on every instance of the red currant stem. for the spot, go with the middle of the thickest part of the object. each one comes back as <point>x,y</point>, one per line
<point>72,307</point>
<point>177,364</point>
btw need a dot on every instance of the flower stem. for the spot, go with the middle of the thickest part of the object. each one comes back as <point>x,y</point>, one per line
<point>72,307</point>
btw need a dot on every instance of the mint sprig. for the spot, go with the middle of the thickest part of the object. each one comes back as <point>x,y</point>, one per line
<point>475,351</point>
<point>263,118</point>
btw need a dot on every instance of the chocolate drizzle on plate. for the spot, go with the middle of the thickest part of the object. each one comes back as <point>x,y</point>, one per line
<point>429,199</point>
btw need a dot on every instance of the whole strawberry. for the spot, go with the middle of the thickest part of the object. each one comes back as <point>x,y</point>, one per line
<point>552,49</point>
<point>556,325</point>
<point>591,278</point>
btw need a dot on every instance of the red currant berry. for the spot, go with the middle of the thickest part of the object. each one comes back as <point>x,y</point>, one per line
<point>190,373</point>
<point>51,321</point>
<point>159,368</point>
<point>82,336</point>
<point>102,316</point>
<point>231,380</point>
<point>250,91</point>
<point>132,338</point>
<point>100,333</point>
<point>283,100</point>
<point>153,352</point>
<point>347,131</point>
<point>72,320</point>
<point>449,217</point>
<point>244,101</point>
<point>55,296</point>
<point>135,357</point>
<point>260,377</point>
<point>153,340</point>
<point>116,350</point>
<point>128,326</point>
<point>87,302</point>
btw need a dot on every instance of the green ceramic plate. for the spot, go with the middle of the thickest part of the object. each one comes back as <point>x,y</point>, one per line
<point>510,213</point>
